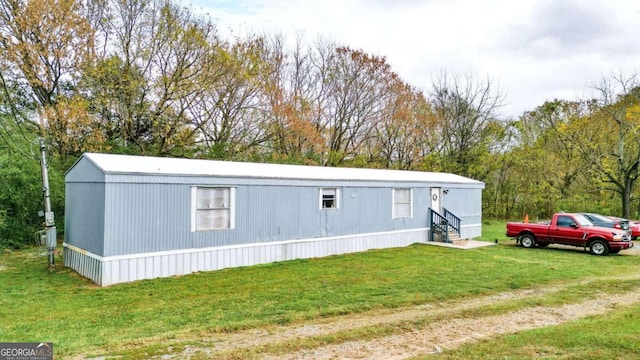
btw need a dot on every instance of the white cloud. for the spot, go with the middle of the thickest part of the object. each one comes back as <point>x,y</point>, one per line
<point>536,50</point>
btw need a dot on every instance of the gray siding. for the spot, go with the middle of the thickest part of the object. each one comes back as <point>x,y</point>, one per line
<point>85,171</point>
<point>465,203</point>
<point>84,216</point>
<point>157,217</point>
<point>146,218</point>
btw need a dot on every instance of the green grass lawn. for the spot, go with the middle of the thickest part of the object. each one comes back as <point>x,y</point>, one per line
<point>495,230</point>
<point>79,317</point>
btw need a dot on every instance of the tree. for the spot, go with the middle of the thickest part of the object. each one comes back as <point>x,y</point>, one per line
<point>357,89</point>
<point>227,110</point>
<point>465,108</point>
<point>44,45</point>
<point>21,190</point>
<point>403,134</point>
<point>517,185</point>
<point>14,110</point>
<point>155,59</point>
<point>290,110</point>
<point>45,42</point>
<point>613,130</point>
<point>550,127</point>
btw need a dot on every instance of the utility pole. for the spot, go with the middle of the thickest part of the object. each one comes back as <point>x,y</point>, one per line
<point>49,219</point>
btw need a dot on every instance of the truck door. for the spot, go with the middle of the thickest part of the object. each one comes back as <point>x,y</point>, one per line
<point>566,231</point>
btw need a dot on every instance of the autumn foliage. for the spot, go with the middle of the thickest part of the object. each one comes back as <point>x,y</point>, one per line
<point>152,77</point>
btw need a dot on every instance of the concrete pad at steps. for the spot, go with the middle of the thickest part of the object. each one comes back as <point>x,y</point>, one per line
<point>462,244</point>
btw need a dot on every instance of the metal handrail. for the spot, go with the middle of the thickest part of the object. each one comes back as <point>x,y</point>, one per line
<point>453,221</point>
<point>438,225</point>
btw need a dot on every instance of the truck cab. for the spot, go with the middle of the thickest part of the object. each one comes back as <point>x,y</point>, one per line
<point>569,229</point>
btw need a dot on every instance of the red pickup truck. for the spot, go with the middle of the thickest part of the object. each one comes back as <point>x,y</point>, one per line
<point>570,229</point>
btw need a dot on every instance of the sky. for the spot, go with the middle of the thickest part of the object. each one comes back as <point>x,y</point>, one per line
<point>534,50</point>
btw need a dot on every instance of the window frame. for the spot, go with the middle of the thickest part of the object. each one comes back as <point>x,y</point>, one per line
<point>336,200</point>
<point>194,207</point>
<point>394,203</point>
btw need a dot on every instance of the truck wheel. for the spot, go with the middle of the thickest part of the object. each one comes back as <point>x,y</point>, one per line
<point>599,247</point>
<point>527,241</point>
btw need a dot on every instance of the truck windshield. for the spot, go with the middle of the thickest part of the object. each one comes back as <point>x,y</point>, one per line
<point>582,220</point>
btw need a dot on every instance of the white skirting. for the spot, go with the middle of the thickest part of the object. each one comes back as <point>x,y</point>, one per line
<point>470,231</point>
<point>111,270</point>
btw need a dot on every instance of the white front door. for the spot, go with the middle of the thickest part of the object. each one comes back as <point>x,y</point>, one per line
<point>436,205</point>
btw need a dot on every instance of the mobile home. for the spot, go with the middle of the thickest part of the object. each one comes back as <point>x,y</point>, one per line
<point>136,217</point>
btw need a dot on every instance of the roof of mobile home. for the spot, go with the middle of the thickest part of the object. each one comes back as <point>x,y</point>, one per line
<point>148,165</point>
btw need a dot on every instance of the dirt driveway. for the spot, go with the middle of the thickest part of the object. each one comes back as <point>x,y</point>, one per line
<point>442,326</point>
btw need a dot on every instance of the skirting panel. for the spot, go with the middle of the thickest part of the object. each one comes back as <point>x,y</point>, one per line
<point>118,269</point>
<point>87,266</point>
<point>470,231</point>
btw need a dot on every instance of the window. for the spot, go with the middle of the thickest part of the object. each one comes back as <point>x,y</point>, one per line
<point>212,208</point>
<point>565,221</point>
<point>329,198</point>
<point>402,207</point>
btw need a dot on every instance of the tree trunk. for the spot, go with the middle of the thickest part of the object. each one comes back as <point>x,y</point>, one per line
<point>626,198</point>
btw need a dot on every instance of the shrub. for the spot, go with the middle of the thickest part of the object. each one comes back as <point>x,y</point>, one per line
<point>21,197</point>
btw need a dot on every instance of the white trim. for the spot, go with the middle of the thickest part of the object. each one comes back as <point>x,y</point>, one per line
<point>194,191</point>
<point>196,250</point>
<point>393,203</point>
<point>232,211</point>
<point>411,198</point>
<point>232,206</point>
<point>83,251</point>
<point>337,189</point>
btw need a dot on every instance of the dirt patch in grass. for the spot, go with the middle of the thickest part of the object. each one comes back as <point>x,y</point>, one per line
<point>451,333</point>
<point>419,330</point>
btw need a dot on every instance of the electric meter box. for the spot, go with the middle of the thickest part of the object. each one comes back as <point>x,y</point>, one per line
<point>49,219</point>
